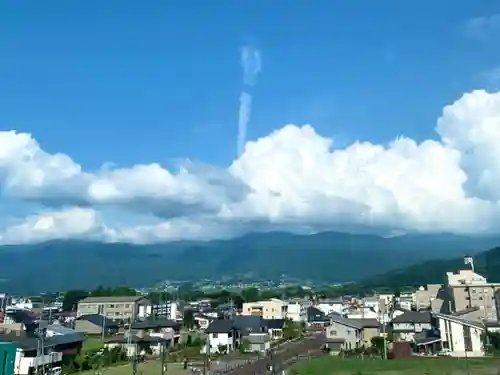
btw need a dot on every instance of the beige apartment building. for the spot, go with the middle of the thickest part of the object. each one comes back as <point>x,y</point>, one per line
<point>270,309</point>
<point>469,289</point>
<point>123,308</point>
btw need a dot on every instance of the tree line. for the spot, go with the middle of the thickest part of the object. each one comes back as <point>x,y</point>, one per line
<point>71,298</point>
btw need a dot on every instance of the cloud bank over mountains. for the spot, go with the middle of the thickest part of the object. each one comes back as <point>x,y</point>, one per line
<point>293,179</point>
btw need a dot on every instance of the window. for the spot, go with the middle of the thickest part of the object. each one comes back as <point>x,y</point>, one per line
<point>333,332</point>
<point>127,305</point>
<point>215,335</point>
<point>111,305</point>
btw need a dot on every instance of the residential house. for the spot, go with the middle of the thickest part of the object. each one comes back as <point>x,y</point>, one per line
<point>203,320</point>
<point>427,342</point>
<point>316,318</point>
<point>360,312</point>
<point>166,329</point>
<point>117,308</point>
<point>95,324</point>
<point>275,328</point>
<point>257,342</point>
<point>18,319</point>
<point>269,309</point>
<point>66,340</point>
<point>406,325</point>
<point>248,324</point>
<point>222,334</point>
<point>355,332</point>
<point>463,338</point>
<point>328,306</point>
<point>137,344</point>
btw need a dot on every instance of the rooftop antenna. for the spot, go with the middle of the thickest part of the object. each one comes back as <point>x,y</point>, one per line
<point>468,260</point>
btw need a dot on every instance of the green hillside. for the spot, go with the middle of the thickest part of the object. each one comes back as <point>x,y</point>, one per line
<point>433,271</point>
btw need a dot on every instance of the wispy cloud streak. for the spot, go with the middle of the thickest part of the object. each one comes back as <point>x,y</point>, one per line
<point>251,64</point>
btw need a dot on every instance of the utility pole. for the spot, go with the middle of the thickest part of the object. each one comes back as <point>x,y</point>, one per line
<point>163,354</point>
<point>103,327</point>
<point>129,342</point>
<point>382,320</point>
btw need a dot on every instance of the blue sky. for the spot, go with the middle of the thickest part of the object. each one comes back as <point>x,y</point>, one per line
<point>129,82</point>
<point>98,79</point>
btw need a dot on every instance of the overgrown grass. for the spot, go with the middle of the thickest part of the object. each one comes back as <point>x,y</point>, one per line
<point>92,343</point>
<point>411,366</point>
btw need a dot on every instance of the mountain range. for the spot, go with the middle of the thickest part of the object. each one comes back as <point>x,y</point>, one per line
<point>326,257</point>
<point>486,263</point>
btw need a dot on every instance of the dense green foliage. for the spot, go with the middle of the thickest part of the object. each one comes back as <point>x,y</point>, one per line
<point>329,256</point>
<point>434,271</point>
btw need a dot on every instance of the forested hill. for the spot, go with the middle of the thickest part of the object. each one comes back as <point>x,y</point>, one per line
<point>486,263</point>
<point>324,257</point>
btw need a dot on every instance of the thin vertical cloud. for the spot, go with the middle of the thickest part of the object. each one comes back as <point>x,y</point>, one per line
<point>251,64</point>
<point>243,119</point>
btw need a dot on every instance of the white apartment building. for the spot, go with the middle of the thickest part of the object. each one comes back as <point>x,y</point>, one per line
<point>168,309</point>
<point>461,337</point>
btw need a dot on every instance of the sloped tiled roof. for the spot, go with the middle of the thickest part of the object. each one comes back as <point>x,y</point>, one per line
<point>221,326</point>
<point>413,317</point>
<point>249,324</point>
<point>275,323</point>
<point>98,320</point>
<point>155,323</point>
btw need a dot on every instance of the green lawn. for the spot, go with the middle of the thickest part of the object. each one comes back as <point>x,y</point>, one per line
<point>411,366</point>
<point>147,368</point>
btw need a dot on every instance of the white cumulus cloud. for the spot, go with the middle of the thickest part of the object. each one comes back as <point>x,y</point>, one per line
<point>292,179</point>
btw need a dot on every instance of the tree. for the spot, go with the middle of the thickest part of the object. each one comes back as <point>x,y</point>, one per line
<point>250,294</point>
<point>245,346</point>
<point>290,329</point>
<point>71,299</point>
<point>378,344</point>
<point>188,319</point>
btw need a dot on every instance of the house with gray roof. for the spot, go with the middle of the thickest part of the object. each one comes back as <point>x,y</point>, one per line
<point>257,342</point>
<point>349,334</point>
<point>406,325</point>
<point>223,335</point>
<point>95,324</point>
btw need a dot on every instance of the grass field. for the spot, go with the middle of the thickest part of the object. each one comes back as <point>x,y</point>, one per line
<point>411,366</point>
<point>147,368</point>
